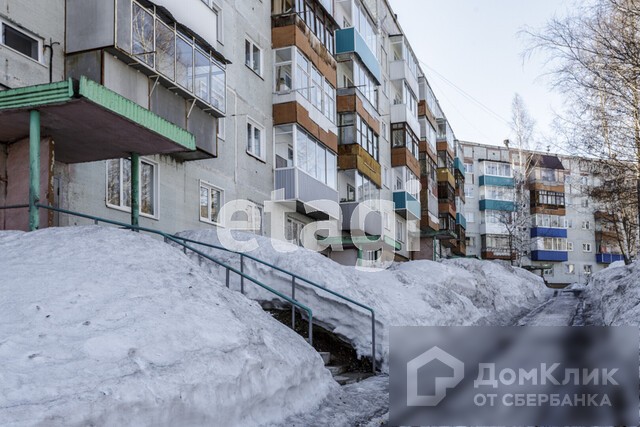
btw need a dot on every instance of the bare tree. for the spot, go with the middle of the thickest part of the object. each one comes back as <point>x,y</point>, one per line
<point>617,224</point>
<point>594,56</point>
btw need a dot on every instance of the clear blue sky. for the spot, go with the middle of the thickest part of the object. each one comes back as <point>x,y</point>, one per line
<point>475,45</point>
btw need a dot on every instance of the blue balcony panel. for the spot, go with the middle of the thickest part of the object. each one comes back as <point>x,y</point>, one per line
<point>460,219</point>
<point>556,256</point>
<point>457,163</point>
<point>497,205</point>
<point>405,201</point>
<point>499,181</point>
<point>608,258</point>
<point>548,232</point>
<point>349,40</point>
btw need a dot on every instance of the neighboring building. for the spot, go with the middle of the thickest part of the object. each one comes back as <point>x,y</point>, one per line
<point>559,233</point>
<point>174,108</point>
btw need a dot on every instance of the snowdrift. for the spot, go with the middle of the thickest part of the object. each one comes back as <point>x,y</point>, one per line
<point>616,291</point>
<point>453,292</point>
<point>102,326</point>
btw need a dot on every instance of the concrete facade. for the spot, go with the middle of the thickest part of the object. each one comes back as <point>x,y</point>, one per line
<point>576,225</point>
<point>358,64</point>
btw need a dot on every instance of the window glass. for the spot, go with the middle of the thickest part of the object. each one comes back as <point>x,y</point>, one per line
<point>165,49</point>
<point>202,76</point>
<point>184,63</point>
<point>20,42</point>
<point>142,32</point>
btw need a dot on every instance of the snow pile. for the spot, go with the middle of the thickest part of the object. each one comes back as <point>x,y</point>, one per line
<point>616,291</point>
<point>102,326</point>
<point>455,292</point>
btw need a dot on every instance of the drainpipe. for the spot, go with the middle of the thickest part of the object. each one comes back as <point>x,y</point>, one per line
<point>34,169</point>
<point>135,189</point>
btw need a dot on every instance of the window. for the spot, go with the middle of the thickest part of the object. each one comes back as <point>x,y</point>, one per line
<point>586,247</point>
<point>549,221</point>
<point>255,140</point>
<point>470,216</point>
<point>293,231</point>
<point>216,22</point>
<point>587,269</point>
<point>548,271</point>
<point>158,45</point>
<point>543,197</point>
<point>386,177</point>
<point>497,169</point>
<point>584,203</point>
<point>570,246</point>
<point>119,186</point>
<point>570,268</point>
<point>283,73</point>
<point>20,42</point>
<point>586,225</point>
<point>309,155</point>
<point>468,191</point>
<point>307,81</point>
<point>317,20</point>
<point>354,129</point>
<point>211,201</point>
<point>471,242</point>
<point>253,56</point>
<point>253,217</point>
<point>497,193</point>
<point>351,193</point>
<point>468,167</point>
<point>400,231</point>
<point>403,136</point>
<point>553,244</point>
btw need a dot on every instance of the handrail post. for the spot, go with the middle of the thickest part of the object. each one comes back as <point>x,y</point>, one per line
<point>310,329</point>
<point>293,307</point>
<point>135,189</point>
<point>228,277</point>
<point>242,276</point>
<point>373,341</point>
<point>34,169</point>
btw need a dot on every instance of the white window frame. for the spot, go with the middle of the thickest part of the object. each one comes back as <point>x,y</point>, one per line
<point>156,188</point>
<point>38,40</point>
<point>587,269</point>
<point>252,60</point>
<point>209,186</point>
<point>217,10</point>
<point>569,246</point>
<point>251,134</point>
<point>570,269</point>
<point>586,247</point>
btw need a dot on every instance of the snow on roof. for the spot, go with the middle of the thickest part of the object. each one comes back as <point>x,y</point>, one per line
<point>100,326</point>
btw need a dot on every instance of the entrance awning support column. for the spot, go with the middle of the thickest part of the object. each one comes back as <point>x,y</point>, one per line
<point>135,189</point>
<point>34,169</point>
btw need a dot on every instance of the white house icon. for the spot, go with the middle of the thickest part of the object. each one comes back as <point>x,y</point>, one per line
<point>442,383</point>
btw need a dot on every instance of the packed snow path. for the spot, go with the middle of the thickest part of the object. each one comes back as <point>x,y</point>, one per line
<point>566,308</point>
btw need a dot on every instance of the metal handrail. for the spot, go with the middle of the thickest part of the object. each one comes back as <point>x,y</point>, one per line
<point>295,276</point>
<point>169,237</point>
<point>14,207</point>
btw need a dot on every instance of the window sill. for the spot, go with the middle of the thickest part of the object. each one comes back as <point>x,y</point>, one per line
<point>255,72</point>
<point>215,224</point>
<point>260,159</point>
<point>128,210</point>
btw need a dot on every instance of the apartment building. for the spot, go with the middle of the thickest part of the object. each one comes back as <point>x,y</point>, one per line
<point>161,112</point>
<point>533,208</point>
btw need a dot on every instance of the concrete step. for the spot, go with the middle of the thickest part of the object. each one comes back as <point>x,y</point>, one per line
<point>326,357</point>
<point>351,377</point>
<point>336,370</point>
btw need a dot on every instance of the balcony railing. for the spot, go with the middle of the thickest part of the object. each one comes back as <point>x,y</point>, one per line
<point>406,204</point>
<point>297,185</point>
<point>349,40</point>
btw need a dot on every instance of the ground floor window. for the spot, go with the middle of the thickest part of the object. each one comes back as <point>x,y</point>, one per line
<point>587,269</point>
<point>211,200</point>
<point>119,186</point>
<point>293,231</point>
<point>570,268</point>
<point>253,217</point>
